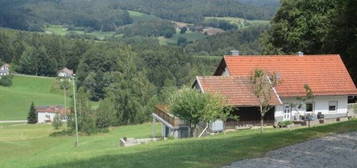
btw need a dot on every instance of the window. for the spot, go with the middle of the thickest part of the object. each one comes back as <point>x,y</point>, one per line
<point>309,107</point>
<point>332,105</point>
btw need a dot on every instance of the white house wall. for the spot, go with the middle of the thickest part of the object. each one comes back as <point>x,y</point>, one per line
<point>42,117</point>
<point>225,72</point>
<point>321,104</point>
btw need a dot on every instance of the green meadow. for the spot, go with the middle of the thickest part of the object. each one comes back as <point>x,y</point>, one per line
<point>15,101</point>
<point>30,146</point>
<point>63,30</point>
<point>139,16</point>
<point>240,22</point>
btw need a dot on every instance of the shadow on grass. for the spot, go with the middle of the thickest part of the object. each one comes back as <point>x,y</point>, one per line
<point>206,152</point>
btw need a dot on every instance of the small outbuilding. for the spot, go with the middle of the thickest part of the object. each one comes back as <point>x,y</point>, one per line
<point>65,73</point>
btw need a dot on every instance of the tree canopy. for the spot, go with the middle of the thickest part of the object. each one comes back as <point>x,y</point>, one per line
<point>194,107</point>
<point>315,27</point>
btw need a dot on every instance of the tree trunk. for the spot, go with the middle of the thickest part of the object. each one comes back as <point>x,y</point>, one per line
<point>192,129</point>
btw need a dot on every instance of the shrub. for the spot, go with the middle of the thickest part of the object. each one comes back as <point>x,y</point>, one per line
<point>57,122</point>
<point>284,123</point>
<point>6,81</point>
<point>181,41</point>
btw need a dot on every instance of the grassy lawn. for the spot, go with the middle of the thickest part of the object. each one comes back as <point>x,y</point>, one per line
<point>30,146</point>
<point>15,101</point>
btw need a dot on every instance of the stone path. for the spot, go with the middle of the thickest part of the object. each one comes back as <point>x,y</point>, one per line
<point>335,151</point>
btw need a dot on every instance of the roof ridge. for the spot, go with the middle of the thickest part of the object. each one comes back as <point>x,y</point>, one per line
<point>287,55</point>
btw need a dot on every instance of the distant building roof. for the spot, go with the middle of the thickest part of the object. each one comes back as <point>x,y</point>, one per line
<point>66,70</point>
<point>52,109</point>
<point>5,66</point>
<point>236,90</point>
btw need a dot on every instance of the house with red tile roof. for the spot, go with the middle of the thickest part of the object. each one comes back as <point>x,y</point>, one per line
<point>326,75</point>
<point>46,114</point>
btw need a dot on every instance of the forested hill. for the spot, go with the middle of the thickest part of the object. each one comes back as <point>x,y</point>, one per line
<point>33,14</point>
<point>195,10</point>
<point>107,15</point>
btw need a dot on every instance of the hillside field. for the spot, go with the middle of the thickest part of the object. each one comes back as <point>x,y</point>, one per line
<point>15,101</point>
<point>31,146</point>
<point>240,22</point>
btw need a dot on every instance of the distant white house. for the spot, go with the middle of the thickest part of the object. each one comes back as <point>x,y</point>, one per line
<point>65,73</point>
<point>5,70</point>
<point>46,114</point>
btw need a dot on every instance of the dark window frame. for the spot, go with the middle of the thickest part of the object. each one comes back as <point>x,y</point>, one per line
<point>307,107</point>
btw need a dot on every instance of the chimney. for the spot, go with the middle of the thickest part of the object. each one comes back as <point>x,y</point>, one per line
<point>300,53</point>
<point>234,52</point>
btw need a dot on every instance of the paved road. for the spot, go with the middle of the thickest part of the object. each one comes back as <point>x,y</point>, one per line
<point>336,151</point>
<point>12,121</point>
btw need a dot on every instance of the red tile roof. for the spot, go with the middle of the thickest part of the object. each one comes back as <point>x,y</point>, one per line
<point>237,90</point>
<point>325,74</point>
<point>52,109</point>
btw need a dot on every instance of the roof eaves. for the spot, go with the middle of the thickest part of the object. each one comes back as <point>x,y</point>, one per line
<point>199,84</point>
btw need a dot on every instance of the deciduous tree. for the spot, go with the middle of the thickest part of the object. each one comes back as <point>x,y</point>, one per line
<point>195,107</point>
<point>262,86</point>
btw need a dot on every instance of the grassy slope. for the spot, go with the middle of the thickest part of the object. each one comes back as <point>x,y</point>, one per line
<point>15,100</point>
<point>138,16</point>
<point>62,30</point>
<point>240,22</point>
<point>30,146</point>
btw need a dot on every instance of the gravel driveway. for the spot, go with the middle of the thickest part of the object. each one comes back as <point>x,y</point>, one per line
<point>335,151</point>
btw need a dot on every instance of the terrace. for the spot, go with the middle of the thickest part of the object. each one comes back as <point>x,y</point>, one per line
<point>161,113</point>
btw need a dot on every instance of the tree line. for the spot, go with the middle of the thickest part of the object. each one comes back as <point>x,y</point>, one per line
<point>315,27</point>
<point>107,15</point>
<point>34,14</point>
<point>125,78</point>
<point>246,40</point>
<point>194,11</point>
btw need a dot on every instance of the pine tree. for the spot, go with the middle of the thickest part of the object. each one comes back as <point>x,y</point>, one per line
<point>32,116</point>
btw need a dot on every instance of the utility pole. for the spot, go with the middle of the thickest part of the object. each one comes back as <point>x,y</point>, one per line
<point>65,95</point>
<point>75,108</point>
